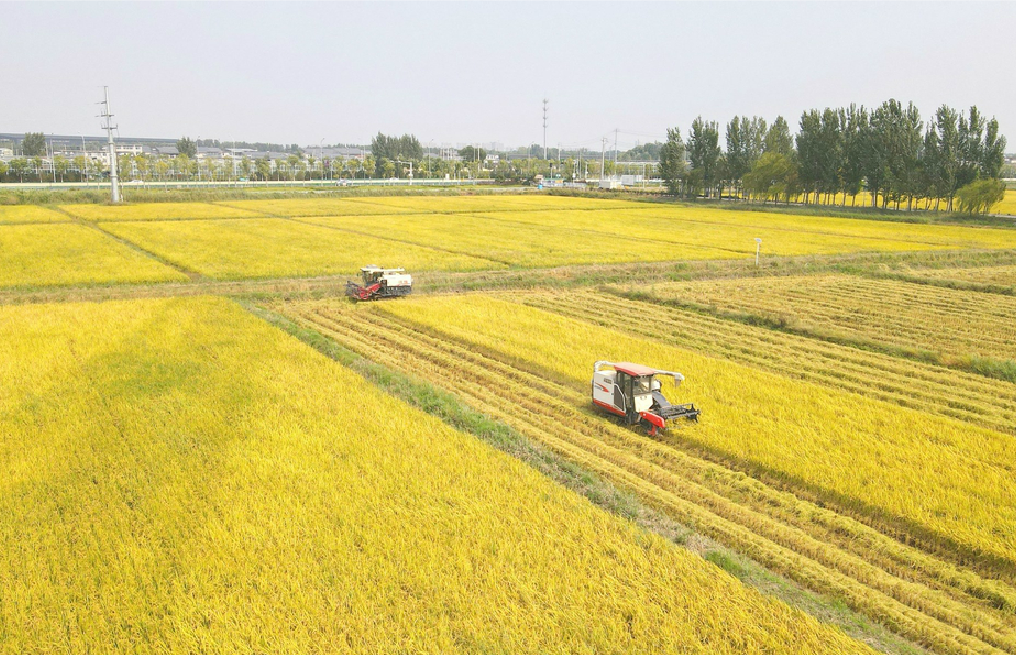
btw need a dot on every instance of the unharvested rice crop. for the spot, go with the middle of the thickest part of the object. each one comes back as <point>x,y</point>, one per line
<point>179,477</point>
<point>157,211</point>
<point>921,595</point>
<point>517,244</point>
<point>273,247</point>
<point>1008,204</point>
<point>30,214</point>
<point>313,207</point>
<point>927,387</point>
<point>738,240</point>
<point>946,236</point>
<point>896,465</point>
<point>1003,276</point>
<point>42,255</point>
<point>902,315</point>
<point>489,202</point>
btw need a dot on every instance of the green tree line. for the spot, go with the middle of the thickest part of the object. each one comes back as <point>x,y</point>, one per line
<point>890,152</point>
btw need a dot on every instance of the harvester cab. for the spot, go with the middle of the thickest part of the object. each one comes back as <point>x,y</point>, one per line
<point>380,283</point>
<point>632,392</point>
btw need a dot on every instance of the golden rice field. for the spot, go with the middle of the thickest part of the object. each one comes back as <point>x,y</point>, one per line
<point>154,211</point>
<point>957,324</point>
<point>927,387</point>
<point>1004,276</point>
<point>927,236</point>
<point>180,477</point>
<point>925,597</point>
<point>456,233</point>
<point>272,247</point>
<point>62,254</point>
<point>942,475</point>
<point>519,245</point>
<point>1008,204</point>
<point>312,207</point>
<point>725,230</point>
<point>489,203</point>
<point>30,214</point>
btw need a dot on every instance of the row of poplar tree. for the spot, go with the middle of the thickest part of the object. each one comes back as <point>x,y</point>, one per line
<point>888,152</point>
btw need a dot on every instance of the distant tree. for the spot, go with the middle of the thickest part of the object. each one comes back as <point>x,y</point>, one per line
<point>19,167</point>
<point>182,164</point>
<point>773,176</point>
<point>993,151</point>
<point>124,167</point>
<point>704,154</point>
<point>980,196</point>
<point>971,135</point>
<point>643,152</point>
<point>34,144</point>
<point>385,148</point>
<point>672,161</point>
<point>81,164</point>
<point>263,168</point>
<point>851,163</point>
<point>471,153</point>
<point>778,138</point>
<point>809,152</point>
<point>185,146</point>
<point>737,158</point>
<point>3,169</point>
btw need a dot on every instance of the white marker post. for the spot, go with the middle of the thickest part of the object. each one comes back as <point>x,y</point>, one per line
<point>758,249</point>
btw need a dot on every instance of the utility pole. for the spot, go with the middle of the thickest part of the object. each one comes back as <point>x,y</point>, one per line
<point>109,127</point>
<point>603,160</point>
<point>545,103</point>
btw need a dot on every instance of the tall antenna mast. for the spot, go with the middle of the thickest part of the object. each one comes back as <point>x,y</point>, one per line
<point>107,116</point>
<point>545,103</point>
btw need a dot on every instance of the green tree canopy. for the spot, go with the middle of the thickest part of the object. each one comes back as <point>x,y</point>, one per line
<point>672,160</point>
<point>186,146</point>
<point>34,144</point>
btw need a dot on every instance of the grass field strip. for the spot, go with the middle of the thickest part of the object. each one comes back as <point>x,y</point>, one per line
<point>814,546</point>
<point>918,385</point>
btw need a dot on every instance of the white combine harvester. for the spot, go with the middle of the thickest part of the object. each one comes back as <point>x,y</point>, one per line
<point>632,392</point>
<point>381,283</point>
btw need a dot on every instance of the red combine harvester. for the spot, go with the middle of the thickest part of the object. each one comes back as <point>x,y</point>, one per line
<point>631,392</point>
<point>381,283</point>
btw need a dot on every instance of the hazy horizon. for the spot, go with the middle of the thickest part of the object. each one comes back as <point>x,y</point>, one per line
<point>458,73</point>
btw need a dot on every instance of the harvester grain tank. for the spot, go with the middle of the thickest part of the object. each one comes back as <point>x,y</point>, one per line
<point>632,392</point>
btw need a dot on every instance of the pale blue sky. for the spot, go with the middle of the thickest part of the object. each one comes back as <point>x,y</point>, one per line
<point>299,72</point>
